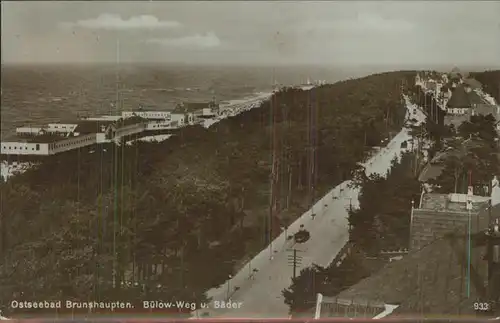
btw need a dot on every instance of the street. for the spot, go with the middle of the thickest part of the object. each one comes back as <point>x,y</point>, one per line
<point>260,283</point>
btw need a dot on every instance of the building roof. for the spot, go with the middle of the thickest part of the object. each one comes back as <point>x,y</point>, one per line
<point>353,307</point>
<point>88,126</point>
<point>129,121</point>
<point>475,98</point>
<point>459,98</point>
<point>39,139</point>
<point>432,280</point>
<point>94,126</point>
<point>448,202</point>
<point>473,83</point>
<point>428,282</point>
<point>30,125</point>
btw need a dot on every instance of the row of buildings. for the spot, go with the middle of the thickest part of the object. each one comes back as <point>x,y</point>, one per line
<point>453,261</point>
<point>459,96</point>
<point>54,138</point>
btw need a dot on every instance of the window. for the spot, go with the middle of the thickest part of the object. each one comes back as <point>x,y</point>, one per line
<point>37,146</point>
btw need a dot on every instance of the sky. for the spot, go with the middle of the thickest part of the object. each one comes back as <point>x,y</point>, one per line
<point>333,33</point>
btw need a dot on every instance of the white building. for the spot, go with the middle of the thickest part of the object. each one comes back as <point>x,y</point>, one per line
<point>53,128</point>
<point>206,113</point>
<point>150,115</point>
<point>182,119</point>
<point>102,118</point>
<point>159,125</point>
<point>457,111</point>
<point>46,145</point>
<point>29,130</point>
<point>178,119</point>
<point>63,128</point>
<point>24,148</point>
<point>118,131</point>
<point>72,143</point>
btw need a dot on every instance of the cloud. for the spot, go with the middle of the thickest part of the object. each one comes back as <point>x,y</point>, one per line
<point>116,22</point>
<point>209,40</point>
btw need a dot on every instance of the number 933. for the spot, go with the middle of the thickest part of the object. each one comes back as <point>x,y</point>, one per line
<point>482,306</point>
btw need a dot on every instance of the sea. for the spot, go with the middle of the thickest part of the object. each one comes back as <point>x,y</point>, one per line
<point>37,94</point>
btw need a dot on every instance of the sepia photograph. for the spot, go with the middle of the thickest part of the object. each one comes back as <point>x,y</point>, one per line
<point>250,160</point>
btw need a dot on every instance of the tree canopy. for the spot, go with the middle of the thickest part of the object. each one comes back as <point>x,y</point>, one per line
<point>471,158</point>
<point>175,218</point>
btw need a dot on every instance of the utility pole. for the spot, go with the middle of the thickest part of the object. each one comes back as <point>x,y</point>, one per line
<point>294,260</point>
